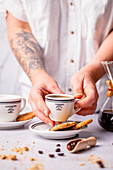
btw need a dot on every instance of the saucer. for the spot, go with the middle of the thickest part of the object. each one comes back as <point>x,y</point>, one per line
<point>13,125</point>
<point>42,129</point>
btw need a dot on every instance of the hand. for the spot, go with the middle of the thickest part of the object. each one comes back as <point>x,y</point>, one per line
<point>43,85</point>
<point>84,88</point>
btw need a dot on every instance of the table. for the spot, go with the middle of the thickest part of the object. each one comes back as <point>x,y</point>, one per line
<point>10,139</point>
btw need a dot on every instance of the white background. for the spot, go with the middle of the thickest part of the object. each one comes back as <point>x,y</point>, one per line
<point>10,69</point>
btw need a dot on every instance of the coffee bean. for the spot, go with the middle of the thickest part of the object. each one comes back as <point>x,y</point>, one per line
<point>73,143</point>
<point>77,135</point>
<point>40,152</point>
<point>69,147</point>
<point>57,150</point>
<point>101,165</point>
<point>58,144</point>
<point>60,154</point>
<point>51,155</point>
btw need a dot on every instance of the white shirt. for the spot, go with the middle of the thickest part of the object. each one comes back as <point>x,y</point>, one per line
<point>69,31</point>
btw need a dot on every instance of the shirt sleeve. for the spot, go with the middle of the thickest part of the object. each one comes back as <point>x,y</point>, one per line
<point>15,7</point>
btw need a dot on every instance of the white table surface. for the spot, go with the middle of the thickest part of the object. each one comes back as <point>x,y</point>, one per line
<point>22,137</point>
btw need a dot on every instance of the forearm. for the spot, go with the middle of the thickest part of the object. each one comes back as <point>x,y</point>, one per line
<point>27,51</point>
<point>105,53</point>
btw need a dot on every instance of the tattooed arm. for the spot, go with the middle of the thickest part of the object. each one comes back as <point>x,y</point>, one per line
<point>25,46</point>
<point>29,54</point>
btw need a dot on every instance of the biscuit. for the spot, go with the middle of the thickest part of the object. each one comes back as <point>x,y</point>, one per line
<point>25,116</point>
<point>63,126</point>
<point>81,124</point>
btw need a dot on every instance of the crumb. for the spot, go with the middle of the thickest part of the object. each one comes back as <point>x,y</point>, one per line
<point>96,159</point>
<point>20,150</point>
<point>2,149</point>
<point>12,157</point>
<point>3,157</point>
<point>7,141</point>
<point>25,157</point>
<point>17,141</point>
<point>37,167</point>
<point>32,159</point>
<point>82,164</point>
<point>26,148</point>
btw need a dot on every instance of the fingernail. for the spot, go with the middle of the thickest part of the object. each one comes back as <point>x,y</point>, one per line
<point>76,105</point>
<point>78,95</point>
<point>45,112</point>
<point>50,124</point>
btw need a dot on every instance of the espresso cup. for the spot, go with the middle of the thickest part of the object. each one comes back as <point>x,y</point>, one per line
<point>61,106</point>
<point>10,107</point>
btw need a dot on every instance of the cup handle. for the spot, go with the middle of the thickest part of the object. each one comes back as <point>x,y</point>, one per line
<point>76,110</point>
<point>24,103</point>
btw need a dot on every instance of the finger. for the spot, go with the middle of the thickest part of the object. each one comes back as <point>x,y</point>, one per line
<point>37,98</point>
<point>88,100</point>
<point>41,115</point>
<point>87,111</point>
<point>54,88</point>
<point>77,89</point>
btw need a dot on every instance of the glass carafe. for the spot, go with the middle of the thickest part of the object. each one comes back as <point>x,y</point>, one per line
<point>105,117</point>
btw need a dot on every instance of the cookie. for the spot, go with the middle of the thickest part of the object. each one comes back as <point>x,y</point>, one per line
<point>63,126</point>
<point>81,124</point>
<point>25,116</point>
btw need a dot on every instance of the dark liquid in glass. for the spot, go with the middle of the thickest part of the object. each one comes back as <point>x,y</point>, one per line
<point>105,119</point>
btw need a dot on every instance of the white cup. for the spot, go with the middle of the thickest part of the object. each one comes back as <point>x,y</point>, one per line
<point>61,106</point>
<point>10,107</point>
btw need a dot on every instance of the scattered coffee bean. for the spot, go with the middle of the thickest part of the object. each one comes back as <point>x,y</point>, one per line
<point>60,154</point>
<point>57,150</point>
<point>100,163</point>
<point>77,135</point>
<point>58,144</point>
<point>51,155</point>
<point>40,152</point>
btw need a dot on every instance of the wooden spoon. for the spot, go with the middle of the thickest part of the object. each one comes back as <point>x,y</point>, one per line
<point>80,144</point>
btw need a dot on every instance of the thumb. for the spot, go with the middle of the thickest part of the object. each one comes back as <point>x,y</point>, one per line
<point>77,89</point>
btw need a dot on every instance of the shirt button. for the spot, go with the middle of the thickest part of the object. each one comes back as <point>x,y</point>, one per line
<point>72,61</point>
<point>71,3</point>
<point>72,32</point>
<point>69,89</point>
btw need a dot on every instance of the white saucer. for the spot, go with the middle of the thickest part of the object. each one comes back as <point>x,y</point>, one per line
<point>42,130</point>
<point>13,125</point>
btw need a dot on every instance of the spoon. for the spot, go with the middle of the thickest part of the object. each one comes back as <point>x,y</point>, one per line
<point>75,145</point>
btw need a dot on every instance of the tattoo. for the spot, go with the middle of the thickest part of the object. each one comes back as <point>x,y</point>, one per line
<point>27,51</point>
